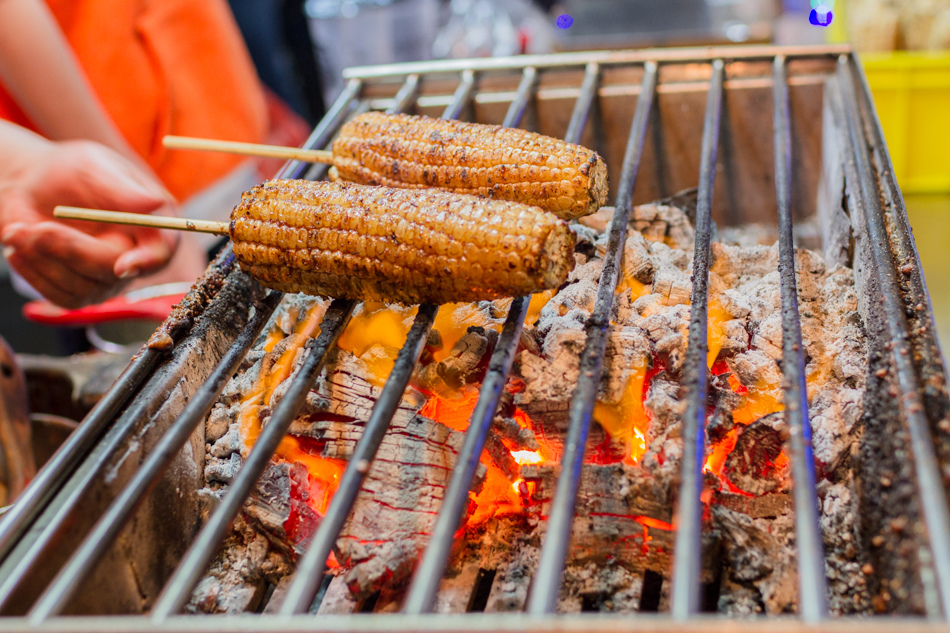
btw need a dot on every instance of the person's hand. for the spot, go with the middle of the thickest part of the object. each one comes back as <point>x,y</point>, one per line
<point>74,263</point>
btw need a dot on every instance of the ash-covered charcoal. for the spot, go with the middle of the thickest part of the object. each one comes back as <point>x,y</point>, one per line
<point>629,485</point>
<point>753,465</point>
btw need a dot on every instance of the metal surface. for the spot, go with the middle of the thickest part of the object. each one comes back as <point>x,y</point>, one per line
<point>47,481</point>
<point>812,588</point>
<point>204,547</point>
<point>687,558</point>
<point>114,519</point>
<point>547,583</point>
<point>933,497</point>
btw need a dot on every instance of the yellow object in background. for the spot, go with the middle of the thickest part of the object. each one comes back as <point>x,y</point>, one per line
<point>911,92</point>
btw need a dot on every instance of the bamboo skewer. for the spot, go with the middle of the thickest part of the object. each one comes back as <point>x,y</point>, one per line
<point>142,219</point>
<point>248,149</point>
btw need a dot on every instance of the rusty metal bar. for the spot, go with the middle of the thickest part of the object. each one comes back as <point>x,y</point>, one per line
<point>933,503</point>
<point>103,535</point>
<point>687,561</point>
<point>310,567</point>
<point>547,580</point>
<point>812,587</point>
<point>203,549</point>
<point>425,583</point>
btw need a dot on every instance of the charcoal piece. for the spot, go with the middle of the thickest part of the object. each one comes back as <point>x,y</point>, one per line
<point>751,465</point>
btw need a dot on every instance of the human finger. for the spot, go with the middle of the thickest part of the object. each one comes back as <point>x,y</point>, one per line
<point>69,290</point>
<point>65,252</point>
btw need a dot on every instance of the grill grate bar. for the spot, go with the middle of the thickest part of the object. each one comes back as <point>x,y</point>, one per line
<point>328,125</point>
<point>47,482</point>
<point>462,96</point>
<point>203,549</point>
<point>547,581</point>
<point>932,497</point>
<point>687,557</point>
<point>101,538</point>
<point>425,583</point>
<point>58,513</point>
<point>310,568</point>
<point>199,555</point>
<point>813,603</point>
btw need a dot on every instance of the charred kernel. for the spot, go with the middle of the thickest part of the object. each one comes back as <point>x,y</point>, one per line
<point>509,164</point>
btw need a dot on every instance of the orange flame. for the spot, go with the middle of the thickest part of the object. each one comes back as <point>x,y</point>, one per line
<point>375,334</point>
<point>627,421</point>
<point>715,330</point>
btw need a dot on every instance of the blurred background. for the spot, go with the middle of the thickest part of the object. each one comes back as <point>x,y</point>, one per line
<point>300,48</point>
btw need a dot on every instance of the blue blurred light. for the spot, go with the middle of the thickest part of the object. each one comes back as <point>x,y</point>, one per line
<point>821,18</point>
<point>564,21</point>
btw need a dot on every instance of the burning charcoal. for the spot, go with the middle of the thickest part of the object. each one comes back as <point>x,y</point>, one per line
<point>397,505</point>
<point>509,429</point>
<point>218,423</point>
<point>637,262</point>
<point>670,331</point>
<point>281,506</point>
<point>228,443</point>
<point>768,337</point>
<point>465,364</point>
<point>234,583</point>
<point>659,222</point>
<point>759,555</point>
<point>751,466</point>
<point>737,261</point>
<point>673,285</point>
<point>222,471</point>
<point>736,338</point>
<point>755,367</point>
<point>586,243</point>
<point>599,220</point>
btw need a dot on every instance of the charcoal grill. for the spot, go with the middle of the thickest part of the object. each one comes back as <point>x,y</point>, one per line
<point>112,525</point>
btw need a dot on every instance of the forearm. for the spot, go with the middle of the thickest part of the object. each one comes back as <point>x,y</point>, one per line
<point>41,73</point>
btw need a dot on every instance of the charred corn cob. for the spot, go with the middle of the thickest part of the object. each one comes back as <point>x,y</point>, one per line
<point>399,150</point>
<point>398,245</point>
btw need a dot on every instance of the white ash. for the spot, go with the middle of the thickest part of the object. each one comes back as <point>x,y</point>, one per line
<point>648,326</point>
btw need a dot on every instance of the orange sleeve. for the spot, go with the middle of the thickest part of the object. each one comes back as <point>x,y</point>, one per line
<point>166,67</point>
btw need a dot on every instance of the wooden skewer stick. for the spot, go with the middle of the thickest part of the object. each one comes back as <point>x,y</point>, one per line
<point>248,149</point>
<point>141,219</point>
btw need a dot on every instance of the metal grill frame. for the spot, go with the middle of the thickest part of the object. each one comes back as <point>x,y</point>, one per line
<point>863,129</point>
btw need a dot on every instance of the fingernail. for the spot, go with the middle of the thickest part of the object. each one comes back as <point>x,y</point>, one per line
<point>8,252</point>
<point>130,272</point>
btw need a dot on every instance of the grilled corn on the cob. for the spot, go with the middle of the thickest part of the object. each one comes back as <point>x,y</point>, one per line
<point>399,150</point>
<point>398,245</point>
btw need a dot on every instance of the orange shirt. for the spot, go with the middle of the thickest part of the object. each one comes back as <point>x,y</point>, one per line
<point>165,67</point>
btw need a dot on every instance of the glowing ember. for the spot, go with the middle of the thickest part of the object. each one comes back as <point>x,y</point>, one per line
<point>715,330</point>
<point>719,452</point>
<point>627,421</point>
<point>760,400</point>
<point>453,413</point>
<point>375,334</point>
<point>524,458</point>
<point>453,321</point>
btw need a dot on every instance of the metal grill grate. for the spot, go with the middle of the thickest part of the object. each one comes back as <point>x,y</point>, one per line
<point>43,513</point>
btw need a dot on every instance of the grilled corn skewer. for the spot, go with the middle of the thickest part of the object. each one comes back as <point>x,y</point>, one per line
<point>398,150</point>
<point>426,246</point>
